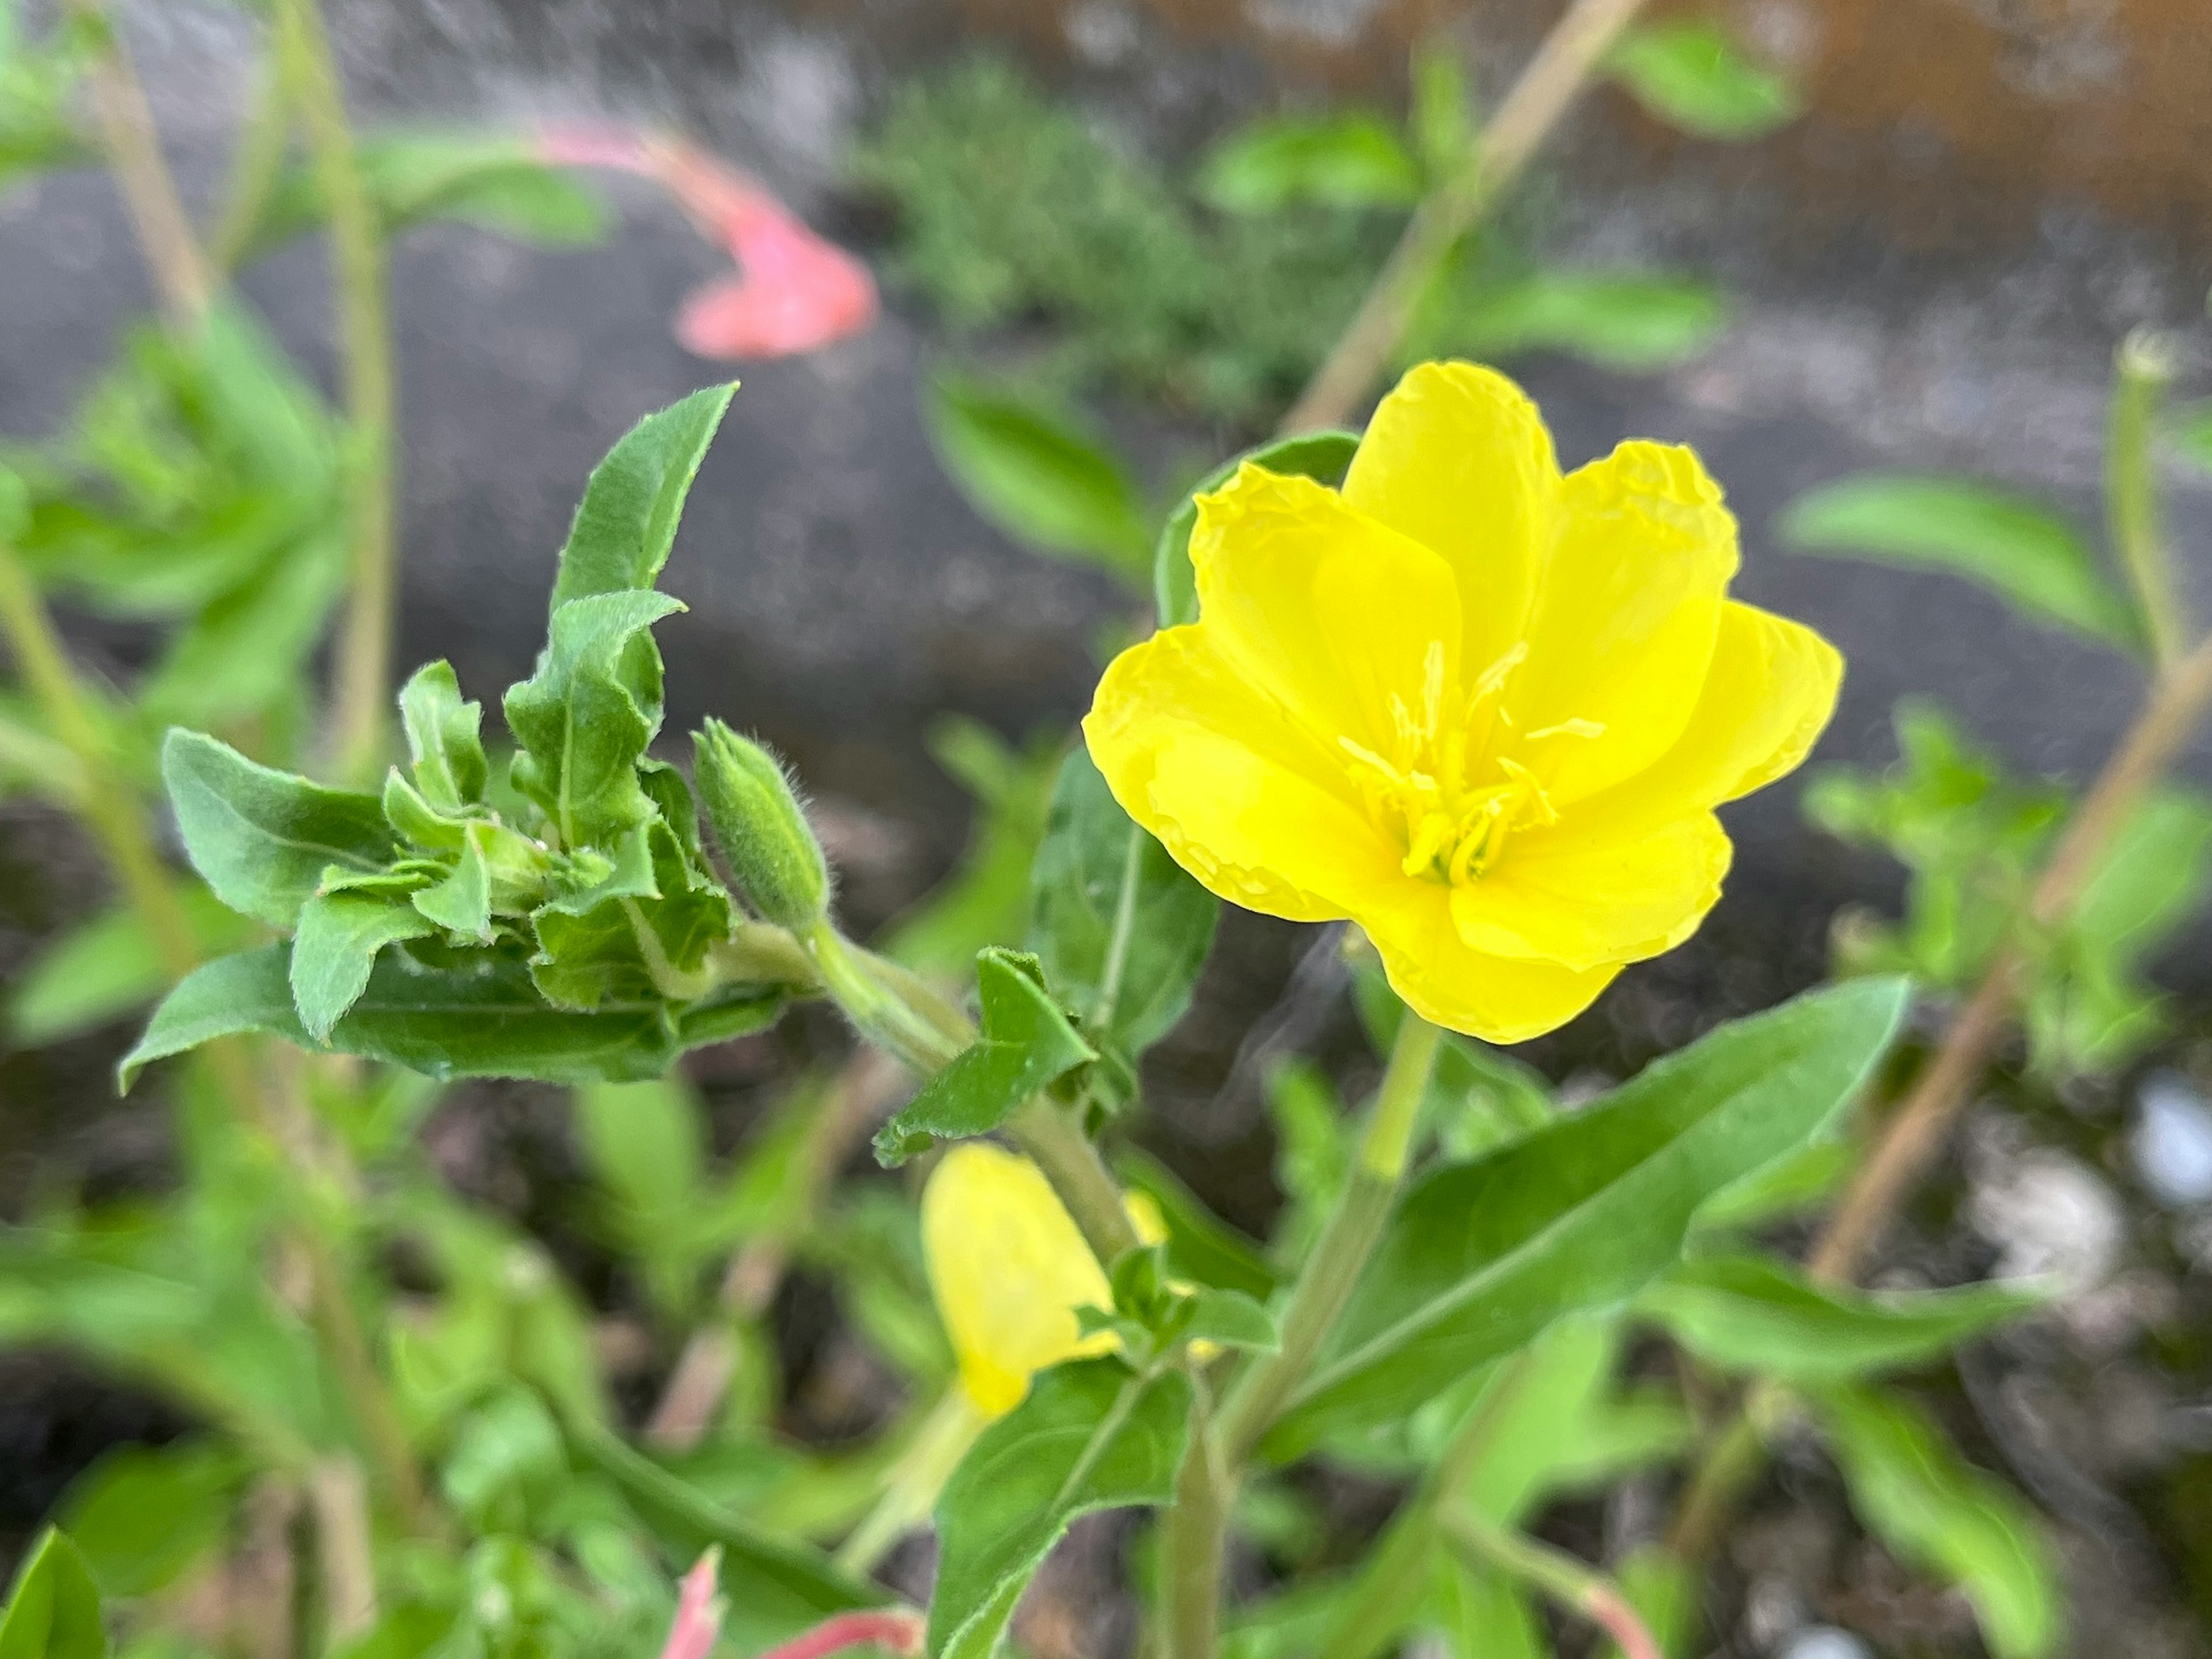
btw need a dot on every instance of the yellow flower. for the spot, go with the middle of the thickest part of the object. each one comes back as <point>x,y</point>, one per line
<point>1008,1269</point>
<point>1483,710</point>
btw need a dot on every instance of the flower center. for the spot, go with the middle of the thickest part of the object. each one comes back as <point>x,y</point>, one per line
<point>1454,799</point>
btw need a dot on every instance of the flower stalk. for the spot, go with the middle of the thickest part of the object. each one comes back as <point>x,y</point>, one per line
<point>1556,1575</point>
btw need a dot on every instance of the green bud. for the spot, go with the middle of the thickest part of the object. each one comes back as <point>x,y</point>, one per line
<point>763,833</point>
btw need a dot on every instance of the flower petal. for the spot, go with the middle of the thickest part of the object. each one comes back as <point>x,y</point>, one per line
<point>1238,792</point>
<point>1561,894</point>
<point>1766,698</point>
<point>1445,980</point>
<point>1457,458</point>
<point>1008,1269</point>
<point>1329,612</point>
<point>1624,621</point>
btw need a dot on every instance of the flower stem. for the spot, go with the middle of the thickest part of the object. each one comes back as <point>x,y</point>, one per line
<point>1502,151</point>
<point>1195,1540</point>
<point>2142,369</point>
<point>361,674</point>
<point>1053,1139</point>
<point>1556,1574</point>
<point>1334,1267</point>
<point>157,213</point>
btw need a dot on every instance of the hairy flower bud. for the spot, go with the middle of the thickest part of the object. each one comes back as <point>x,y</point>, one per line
<point>763,833</point>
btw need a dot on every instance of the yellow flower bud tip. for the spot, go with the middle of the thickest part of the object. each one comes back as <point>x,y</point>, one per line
<point>1480,708</point>
<point>762,827</point>
<point>1008,1268</point>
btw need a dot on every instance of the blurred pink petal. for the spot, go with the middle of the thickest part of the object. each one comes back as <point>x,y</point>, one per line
<point>792,291</point>
<point>698,1622</point>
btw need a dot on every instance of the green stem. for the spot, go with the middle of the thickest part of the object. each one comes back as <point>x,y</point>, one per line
<point>2142,369</point>
<point>1195,1540</point>
<point>1340,1256</point>
<point>1556,1574</point>
<point>363,668</point>
<point>895,1012</point>
<point>257,163</point>
<point>1729,1462</point>
<point>1053,1139</point>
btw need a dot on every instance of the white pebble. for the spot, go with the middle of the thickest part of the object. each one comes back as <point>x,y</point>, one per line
<point>2171,1141</point>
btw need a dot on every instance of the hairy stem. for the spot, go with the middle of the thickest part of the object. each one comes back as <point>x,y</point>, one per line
<point>1501,151</point>
<point>1555,1574</point>
<point>158,219</point>
<point>361,671</point>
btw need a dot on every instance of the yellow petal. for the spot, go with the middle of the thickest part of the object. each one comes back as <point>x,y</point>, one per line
<point>1624,621</point>
<point>1008,1269</point>
<point>1447,982</point>
<point>1766,698</point>
<point>1457,458</point>
<point>1326,611</point>
<point>1562,894</point>
<point>1238,793</point>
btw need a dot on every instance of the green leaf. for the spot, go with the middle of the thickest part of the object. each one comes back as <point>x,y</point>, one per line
<point>1353,159</point>
<point>443,738</point>
<point>1202,1249</point>
<point>1789,1186</point>
<point>2192,433</point>
<point>107,967</point>
<point>1693,75</point>
<point>53,1610</point>
<point>1752,1314</point>
<point>1481,1257</point>
<point>447,1015</point>
<point>774,1588</point>
<point>246,649</point>
<point>1034,474</point>
<point>507,1463</point>
<point>1918,1496</point>
<point>1026,1043</point>
<point>626,523</point>
<point>2017,548</point>
<point>489,181</point>
<point>647,938</point>
<point>1636,323</point>
<point>1325,456</point>
<point>1091,1435</point>
<point>143,1515</point>
<point>261,838</point>
<point>1442,118</point>
<point>1230,1319</point>
<point>647,1144</point>
<point>1121,930</point>
<point>1479,1615</point>
<point>586,716</point>
<point>336,944</point>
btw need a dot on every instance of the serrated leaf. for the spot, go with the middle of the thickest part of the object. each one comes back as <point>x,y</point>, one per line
<point>1091,1435</point>
<point>584,718</point>
<point>1026,1043</point>
<point>461,903</point>
<point>1481,1257</point>
<point>594,948</point>
<point>1036,475</point>
<point>1754,1315</point>
<point>444,737</point>
<point>1325,456</point>
<point>108,966</point>
<point>1121,929</point>
<point>1353,159</point>
<point>336,945</point>
<point>1629,321</point>
<point>53,1610</point>
<point>457,1014</point>
<point>2017,548</point>
<point>1916,1493</point>
<point>261,838</point>
<point>1692,75</point>
<point>626,524</point>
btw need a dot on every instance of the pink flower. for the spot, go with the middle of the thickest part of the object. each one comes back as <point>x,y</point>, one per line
<point>792,291</point>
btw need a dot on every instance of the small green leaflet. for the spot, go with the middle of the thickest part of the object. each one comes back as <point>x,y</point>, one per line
<point>446,1015</point>
<point>1481,1256</point>
<point>1032,471</point>
<point>1353,159</point>
<point>626,524</point>
<point>336,945</point>
<point>1693,74</point>
<point>443,738</point>
<point>2019,549</point>
<point>1326,456</point>
<point>261,838</point>
<point>53,1612</point>
<point>1119,928</point>
<point>1027,1042</point>
<point>1918,1496</point>
<point>1091,1434</point>
<point>1754,1313</point>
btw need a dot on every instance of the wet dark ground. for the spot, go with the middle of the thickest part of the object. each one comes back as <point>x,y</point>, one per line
<point>843,598</point>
